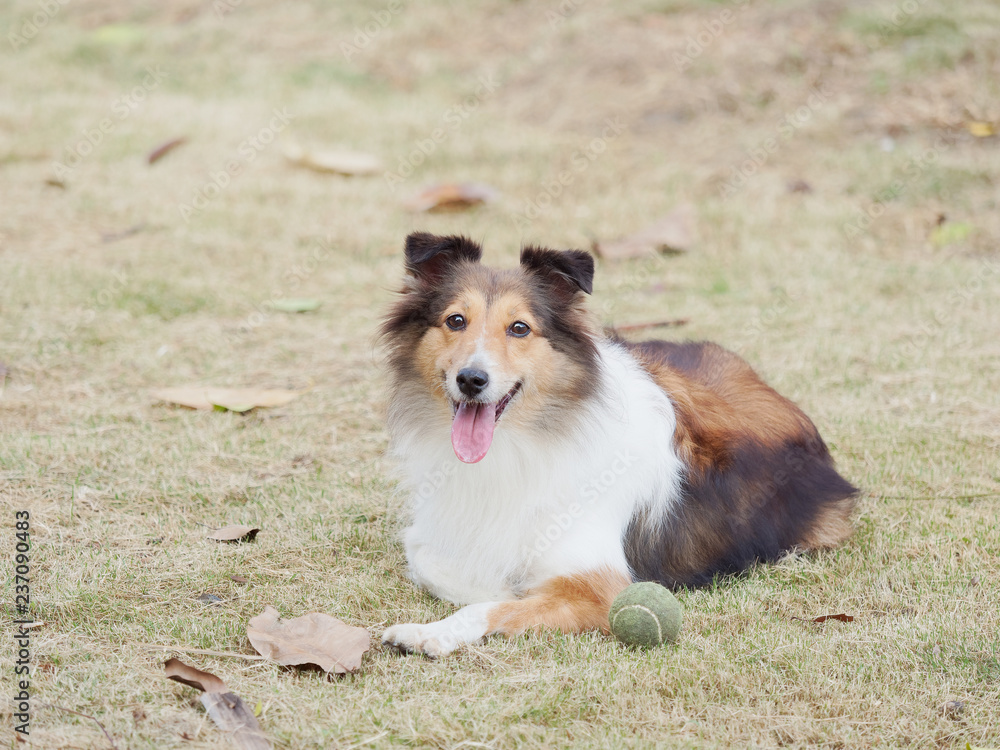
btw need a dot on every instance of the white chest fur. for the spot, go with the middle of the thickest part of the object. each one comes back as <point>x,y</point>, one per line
<point>540,504</point>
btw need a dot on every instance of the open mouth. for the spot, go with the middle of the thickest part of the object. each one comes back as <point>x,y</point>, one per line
<point>472,426</point>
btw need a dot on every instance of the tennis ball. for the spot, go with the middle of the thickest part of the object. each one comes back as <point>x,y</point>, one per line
<point>645,615</point>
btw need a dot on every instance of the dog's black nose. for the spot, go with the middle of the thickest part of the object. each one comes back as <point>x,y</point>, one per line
<point>472,382</point>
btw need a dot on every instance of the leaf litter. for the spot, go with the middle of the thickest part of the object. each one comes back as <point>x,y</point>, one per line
<point>333,161</point>
<point>225,399</point>
<point>316,639</point>
<point>229,712</point>
<point>235,533</point>
<point>450,196</point>
<point>673,234</point>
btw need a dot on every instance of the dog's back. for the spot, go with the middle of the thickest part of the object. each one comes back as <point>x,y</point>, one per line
<point>759,479</point>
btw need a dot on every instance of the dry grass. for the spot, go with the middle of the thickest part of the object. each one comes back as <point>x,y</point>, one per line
<point>887,339</point>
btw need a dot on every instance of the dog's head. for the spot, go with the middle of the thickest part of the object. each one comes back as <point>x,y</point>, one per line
<point>488,344</point>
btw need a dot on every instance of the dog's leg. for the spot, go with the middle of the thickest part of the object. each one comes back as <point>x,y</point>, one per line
<point>567,603</point>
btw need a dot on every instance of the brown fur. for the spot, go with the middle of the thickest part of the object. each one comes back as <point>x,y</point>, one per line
<point>760,481</point>
<point>718,399</point>
<point>832,525</point>
<point>570,604</point>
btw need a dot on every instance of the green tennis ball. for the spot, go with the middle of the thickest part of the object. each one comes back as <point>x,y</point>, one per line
<point>645,615</point>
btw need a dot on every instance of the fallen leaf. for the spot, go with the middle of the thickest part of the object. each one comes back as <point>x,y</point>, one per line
<point>165,148</point>
<point>315,639</point>
<point>824,618</point>
<point>948,232</point>
<point>54,182</point>
<point>239,579</point>
<point>225,708</point>
<point>207,682</point>
<point>839,618</point>
<point>982,129</point>
<point>234,533</point>
<point>953,709</point>
<point>233,716</point>
<point>118,34</point>
<point>799,186</point>
<point>450,197</point>
<point>115,236</point>
<point>632,327</point>
<point>675,233</point>
<point>228,399</point>
<point>333,162</point>
<point>295,305</point>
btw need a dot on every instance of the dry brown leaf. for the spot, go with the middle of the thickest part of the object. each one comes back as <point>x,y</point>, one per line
<point>315,639</point>
<point>165,148</point>
<point>234,533</point>
<point>333,162</point>
<point>840,618</point>
<point>230,399</point>
<point>123,234</point>
<point>634,327</point>
<point>674,233</point>
<point>226,709</point>
<point>451,197</point>
<point>236,718</point>
<point>206,682</point>
<point>981,129</point>
<point>824,618</point>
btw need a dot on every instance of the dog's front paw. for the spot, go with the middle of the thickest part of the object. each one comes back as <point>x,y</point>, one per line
<point>419,639</point>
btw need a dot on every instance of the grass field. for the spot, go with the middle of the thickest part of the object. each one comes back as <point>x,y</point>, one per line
<point>846,185</point>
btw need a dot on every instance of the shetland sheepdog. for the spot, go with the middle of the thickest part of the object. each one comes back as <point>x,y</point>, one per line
<point>549,464</point>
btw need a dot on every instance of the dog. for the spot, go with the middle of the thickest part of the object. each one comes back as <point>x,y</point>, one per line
<point>549,464</point>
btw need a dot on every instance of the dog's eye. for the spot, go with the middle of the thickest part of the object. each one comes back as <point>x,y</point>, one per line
<point>455,322</point>
<point>519,329</point>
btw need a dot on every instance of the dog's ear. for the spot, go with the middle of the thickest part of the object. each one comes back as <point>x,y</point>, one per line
<point>568,271</point>
<point>428,256</point>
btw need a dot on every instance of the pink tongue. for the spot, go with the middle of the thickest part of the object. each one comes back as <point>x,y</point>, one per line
<point>472,431</point>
